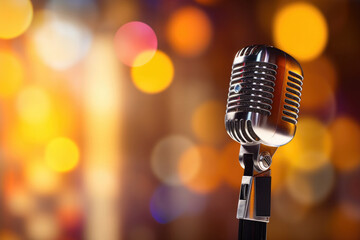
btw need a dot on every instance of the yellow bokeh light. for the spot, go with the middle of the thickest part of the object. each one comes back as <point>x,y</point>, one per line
<point>189,31</point>
<point>154,76</point>
<point>312,139</point>
<point>61,154</point>
<point>15,17</point>
<point>11,74</point>
<point>208,122</point>
<point>301,30</point>
<point>33,104</point>
<point>345,131</point>
<point>208,174</point>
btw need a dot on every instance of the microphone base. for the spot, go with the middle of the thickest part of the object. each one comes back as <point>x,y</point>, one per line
<point>252,230</point>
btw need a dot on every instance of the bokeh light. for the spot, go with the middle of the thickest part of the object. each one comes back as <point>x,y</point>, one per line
<point>345,132</point>
<point>11,74</point>
<point>42,226</point>
<point>169,203</point>
<point>189,31</point>
<point>303,37</point>
<point>62,154</point>
<point>40,179</point>
<point>20,202</point>
<point>8,235</point>
<point>311,187</point>
<point>312,137</point>
<point>208,122</point>
<point>132,39</point>
<point>230,167</point>
<point>343,226</point>
<point>208,176</point>
<point>165,159</point>
<point>15,17</point>
<point>69,209</point>
<point>60,42</point>
<point>321,82</point>
<point>33,104</point>
<point>154,76</point>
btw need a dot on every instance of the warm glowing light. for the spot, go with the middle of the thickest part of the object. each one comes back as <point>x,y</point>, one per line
<point>20,202</point>
<point>15,17</point>
<point>69,209</point>
<point>209,129</point>
<point>312,137</point>
<point>40,179</point>
<point>301,30</point>
<point>62,154</point>
<point>319,74</point>
<point>189,31</point>
<point>154,76</point>
<point>343,226</point>
<point>311,187</point>
<point>33,104</point>
<point>42,226</point>
<point>345,131</point>
<point>165,159</point>
<point>60,43</point>
<point>132,39</point>
<point>208,176</point>
<point>11,74</point>
<point>8,235</point>
<point>102,145</point>
<point>230,166</point>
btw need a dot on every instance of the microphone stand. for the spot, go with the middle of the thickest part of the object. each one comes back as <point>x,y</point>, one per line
<point>253,209</point>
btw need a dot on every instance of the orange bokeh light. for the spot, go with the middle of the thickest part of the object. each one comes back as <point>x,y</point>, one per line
<point>208,122</point>
<point>208,176</point>
<point>319,84</point>
<point>11,74</point>
<point>229,165</point>
<point>312,139</point>
<point>345,131</point>
<point>189,31</point>
<point>303,37</point>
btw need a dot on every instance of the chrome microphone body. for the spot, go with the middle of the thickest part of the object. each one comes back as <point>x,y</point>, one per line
<point>261,114</point>
<point>263,101</point>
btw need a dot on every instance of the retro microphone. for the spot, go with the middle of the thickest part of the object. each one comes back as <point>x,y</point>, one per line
<point>262,111</point>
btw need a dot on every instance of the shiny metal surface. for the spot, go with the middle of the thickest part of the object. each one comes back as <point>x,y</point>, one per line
<point>264,97</point>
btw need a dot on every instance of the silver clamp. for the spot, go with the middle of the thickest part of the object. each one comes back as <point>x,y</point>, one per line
<point>255,192</point>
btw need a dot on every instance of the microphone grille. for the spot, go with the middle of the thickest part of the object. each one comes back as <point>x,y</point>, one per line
<point>251,86</point>
<point>292,97</point>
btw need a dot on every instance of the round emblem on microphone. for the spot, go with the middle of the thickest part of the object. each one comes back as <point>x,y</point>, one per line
<point>237,88</point>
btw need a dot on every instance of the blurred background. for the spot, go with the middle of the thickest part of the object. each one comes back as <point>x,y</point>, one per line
<point>112,118</point>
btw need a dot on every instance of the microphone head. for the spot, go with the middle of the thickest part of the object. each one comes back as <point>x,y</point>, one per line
<point>264,96</point>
